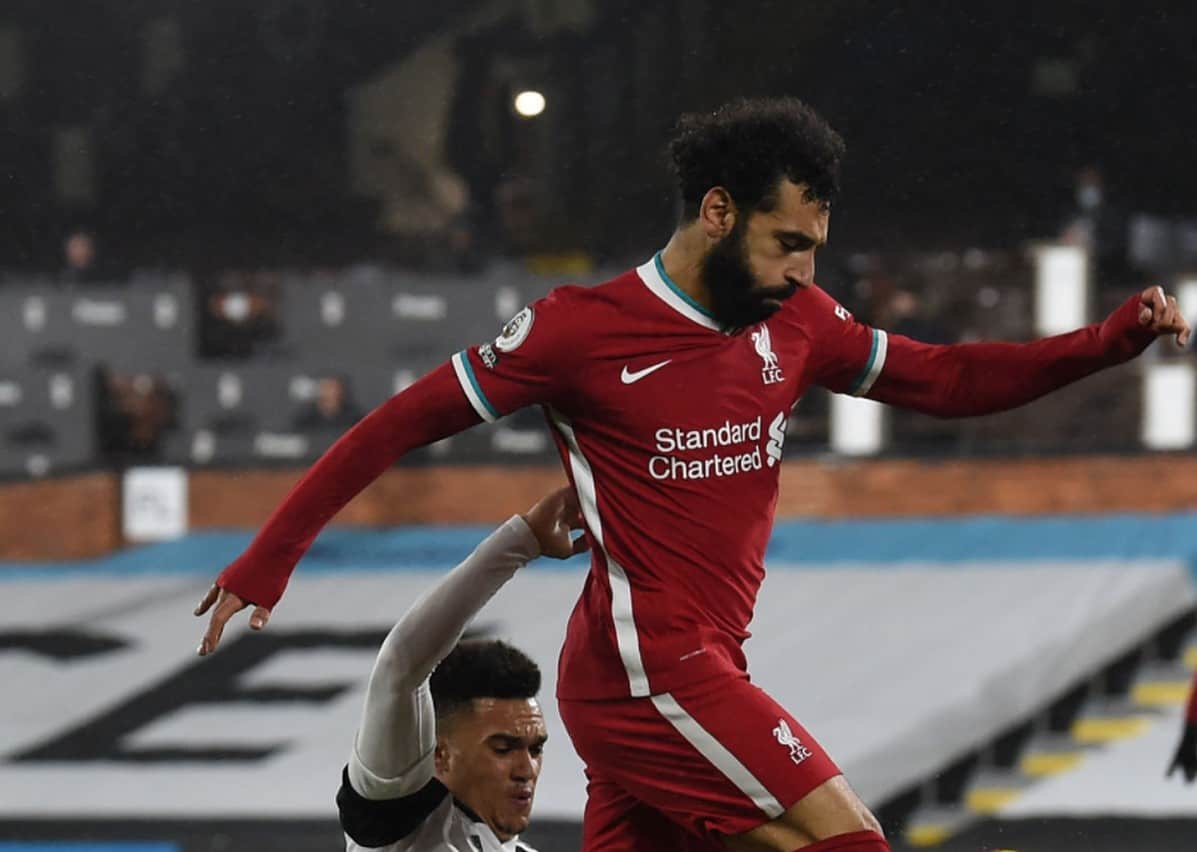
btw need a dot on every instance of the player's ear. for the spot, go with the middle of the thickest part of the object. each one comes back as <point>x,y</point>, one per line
<point>442,756</point>
<point>717,213</point>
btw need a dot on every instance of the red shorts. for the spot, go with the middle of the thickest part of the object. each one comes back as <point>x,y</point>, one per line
<point>715,758</point>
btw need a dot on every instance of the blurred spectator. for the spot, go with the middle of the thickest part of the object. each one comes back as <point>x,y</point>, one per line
<point>518,217</point>
<point>1096,224</point>
<point>879,298</point>
<point>79,259</point>
<point>331,407</point>
<point>906,315</point>
<point>135,412</point>
<point>479,138</point>
<point>239,313</point>
<point>465,242</point>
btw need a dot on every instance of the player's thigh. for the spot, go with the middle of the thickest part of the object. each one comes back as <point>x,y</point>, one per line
<point>616,821</point>
<point>719,758</point>
<point>830,810</point>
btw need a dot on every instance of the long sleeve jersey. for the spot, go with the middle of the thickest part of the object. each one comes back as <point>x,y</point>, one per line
<point>672,429</point>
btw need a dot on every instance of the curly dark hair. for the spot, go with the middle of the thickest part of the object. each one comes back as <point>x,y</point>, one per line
<point>482,668</point>
<point>748,145</point>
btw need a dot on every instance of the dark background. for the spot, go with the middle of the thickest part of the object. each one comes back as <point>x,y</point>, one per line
<point>965,122</point>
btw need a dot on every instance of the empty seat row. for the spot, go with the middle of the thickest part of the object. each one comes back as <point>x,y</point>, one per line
<point>344,319</point>
<point>128,328</point>
<point>246,413</point>
<point>47,421</point>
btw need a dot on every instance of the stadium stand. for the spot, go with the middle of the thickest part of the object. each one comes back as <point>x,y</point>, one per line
<point>47,421</point>
<point>372,330</point>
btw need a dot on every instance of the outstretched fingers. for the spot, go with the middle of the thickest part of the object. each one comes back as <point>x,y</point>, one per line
<point>259,617</point>
<point>207,600</point>
<point>1161,313</point>
<point>228,606</point>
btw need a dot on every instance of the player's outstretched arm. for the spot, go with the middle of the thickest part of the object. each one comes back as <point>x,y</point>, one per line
<point>433,408</point>
<point>392,754</point>
<point>529,363</point>
<point>1185,758</point>
<point>969,379</point>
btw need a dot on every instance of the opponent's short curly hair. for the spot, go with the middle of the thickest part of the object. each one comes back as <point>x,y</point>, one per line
<point>482,668</point>
<point>748,145</point>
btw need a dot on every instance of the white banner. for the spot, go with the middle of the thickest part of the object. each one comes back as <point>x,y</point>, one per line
<point>896,670</point>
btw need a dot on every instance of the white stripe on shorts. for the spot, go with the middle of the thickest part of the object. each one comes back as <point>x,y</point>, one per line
<point>720,757</point>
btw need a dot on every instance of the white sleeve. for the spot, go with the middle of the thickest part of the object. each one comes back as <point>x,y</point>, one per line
<point>392,753</point>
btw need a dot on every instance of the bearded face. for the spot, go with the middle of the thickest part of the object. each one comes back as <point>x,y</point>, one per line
<point>738,298</point>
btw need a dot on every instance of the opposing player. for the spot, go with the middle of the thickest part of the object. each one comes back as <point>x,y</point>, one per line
<point>1185,758</point>
<point>668,391</point>
<point>451,761</point>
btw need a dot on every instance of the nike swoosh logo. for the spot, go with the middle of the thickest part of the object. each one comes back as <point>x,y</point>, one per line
<point>630,378</point>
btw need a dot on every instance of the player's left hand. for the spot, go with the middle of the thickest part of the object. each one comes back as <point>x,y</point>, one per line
<point>1186,755</point>
<point>552,519</point>
<point>227,605</point>
<point>1159,312</point>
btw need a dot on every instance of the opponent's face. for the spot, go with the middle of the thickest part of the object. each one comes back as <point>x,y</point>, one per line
<point>490,759</point>
<point>765,257</point>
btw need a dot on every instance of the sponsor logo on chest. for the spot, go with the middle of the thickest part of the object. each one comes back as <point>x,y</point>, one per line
<point>724,450</point>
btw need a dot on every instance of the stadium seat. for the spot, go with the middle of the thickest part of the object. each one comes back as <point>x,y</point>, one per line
<point>47,422</point>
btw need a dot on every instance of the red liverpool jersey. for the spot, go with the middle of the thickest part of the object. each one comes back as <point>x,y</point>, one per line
<point>672,431</point>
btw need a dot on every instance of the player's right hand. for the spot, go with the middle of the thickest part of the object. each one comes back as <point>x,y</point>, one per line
<point>552,519</point>
<point>1161,313</point>
<point>1186,755</point>
<point>227,605</point>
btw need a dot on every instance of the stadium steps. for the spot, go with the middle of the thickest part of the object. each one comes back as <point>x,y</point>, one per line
<point>1119,702</point>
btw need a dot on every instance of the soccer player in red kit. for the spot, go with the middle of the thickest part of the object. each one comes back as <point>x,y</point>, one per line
<point>668,390</point>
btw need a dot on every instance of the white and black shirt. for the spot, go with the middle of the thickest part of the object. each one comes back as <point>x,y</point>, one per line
<point>389,799</point>
<point>428,820</point>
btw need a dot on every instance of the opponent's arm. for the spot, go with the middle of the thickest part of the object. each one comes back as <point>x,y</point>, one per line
<point>968,379</point>
<point>392,753</point>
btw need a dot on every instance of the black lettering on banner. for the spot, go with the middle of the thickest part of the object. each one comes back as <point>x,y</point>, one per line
<point>212,680</point>
<point>60,644</point>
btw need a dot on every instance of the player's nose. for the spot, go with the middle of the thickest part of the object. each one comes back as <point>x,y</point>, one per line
<point>523,768</point>
<point>802,273</point>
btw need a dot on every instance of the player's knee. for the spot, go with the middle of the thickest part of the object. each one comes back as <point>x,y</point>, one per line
<point>842,813</point>
<point>870,822</point>
<point>831,814</point>
<point>831,810</point>
<point>851,820</point>
<point>856,841</point>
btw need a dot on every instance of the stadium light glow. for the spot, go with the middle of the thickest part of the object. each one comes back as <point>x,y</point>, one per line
<point>529,103</point>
